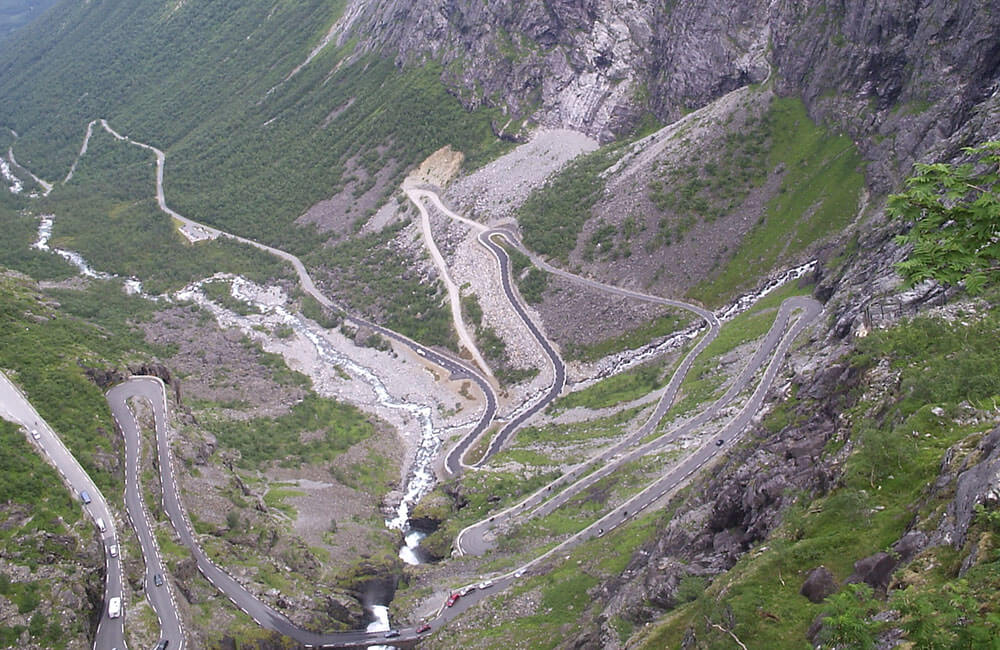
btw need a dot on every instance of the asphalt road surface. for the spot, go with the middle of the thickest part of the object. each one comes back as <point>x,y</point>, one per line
<point>473,539</point>
<point>14,406</point>
<point>160,597</point>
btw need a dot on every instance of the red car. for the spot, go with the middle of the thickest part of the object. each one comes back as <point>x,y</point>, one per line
<point>426,627</point>
<point>452,599</point>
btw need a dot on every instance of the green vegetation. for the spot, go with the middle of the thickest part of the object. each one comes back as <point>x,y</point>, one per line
<point>941,366</point>
<point>37,507</point>
<point>317,430</point>
<point>19,232</point>
<point>374,277</point>
<point>376,474</point>
<point>954,211</point>
<point>46,352</point>
<point>623,387</point>
<point>248,150</point>
<point>553,216</point>
<point>18,13</point>
<point>819,192</point>
<point>108,214</point>
<point>661,326</point>
<point>703,382</point>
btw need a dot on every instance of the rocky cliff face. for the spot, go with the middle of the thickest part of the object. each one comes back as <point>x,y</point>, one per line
<point>901,76</point>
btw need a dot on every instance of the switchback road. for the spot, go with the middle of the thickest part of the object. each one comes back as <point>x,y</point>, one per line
<point>14,406</point>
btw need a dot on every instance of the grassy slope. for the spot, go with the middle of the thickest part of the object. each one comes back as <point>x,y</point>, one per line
<point>818,197</point>
<point>883,486</point>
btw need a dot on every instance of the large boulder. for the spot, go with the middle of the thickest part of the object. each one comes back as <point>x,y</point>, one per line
<point>819,584</point>
<point>874,570</point>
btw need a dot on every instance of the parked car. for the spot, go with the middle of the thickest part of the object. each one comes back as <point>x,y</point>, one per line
<point>85,497</point>
<point>426,627</point>
<point>485,584</point>
<point>452,599</point>
<point>35,434</point>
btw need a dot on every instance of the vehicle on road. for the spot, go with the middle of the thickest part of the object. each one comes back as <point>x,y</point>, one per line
<point>113,550</point>
<point>100,525</point>
<point>718,443</point>
<point>85,497</point>
<point>162,645</point>
<point>426,627</point>
<point>465,591</point>
<point>485,584</point>
<point>421,352</point>
<point>519,573</point>
<point>392,634</point>
<point>452,599</point>
<point>35,434</point>
<point>114,607</point>
<point>157,580</point>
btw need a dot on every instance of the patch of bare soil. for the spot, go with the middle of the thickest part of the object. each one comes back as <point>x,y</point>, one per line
<point>217,365</point>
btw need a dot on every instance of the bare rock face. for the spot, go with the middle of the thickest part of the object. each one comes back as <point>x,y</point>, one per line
<point>819,584</point>
<point>874,570</point>
<point>903,77</point>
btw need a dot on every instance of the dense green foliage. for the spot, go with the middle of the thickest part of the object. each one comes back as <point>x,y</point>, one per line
<point>249,149</point>
<point>48,350</point>
<point>955,212</point>
<point>553,216</point>
<point>371,275</point>
<point>18,13</point>
<point>19,232</point>
<point>107,213</point>
<point>336,426</point>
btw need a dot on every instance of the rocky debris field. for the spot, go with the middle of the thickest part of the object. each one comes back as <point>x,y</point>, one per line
<point>495,191</point>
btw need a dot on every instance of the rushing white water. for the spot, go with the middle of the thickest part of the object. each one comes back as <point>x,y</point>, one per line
<point>408,553</point>
<point>746,301</point>
<point>15,183</point>
<point>420,478</point>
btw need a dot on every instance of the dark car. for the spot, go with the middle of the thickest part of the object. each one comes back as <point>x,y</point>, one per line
<point>158,580</point>
<point>85,497</point>
<point>162,645</point>
<point>392,634</point>
<point>452,599</point>
<point>426,627</point>
<point>718,443</point>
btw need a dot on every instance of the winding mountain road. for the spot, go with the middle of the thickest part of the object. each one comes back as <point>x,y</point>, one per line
<point>472,539</point>
<point>15,407</point>
<point>160,597</point>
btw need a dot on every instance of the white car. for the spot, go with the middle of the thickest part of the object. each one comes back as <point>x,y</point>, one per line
<point>35,434</point>
<point>114,607</point>
<point>113,550</point>
<point>485,584</point>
